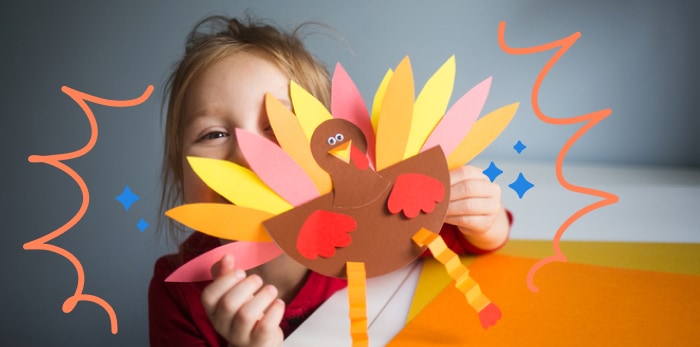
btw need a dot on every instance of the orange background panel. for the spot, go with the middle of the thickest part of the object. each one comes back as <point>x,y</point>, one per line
<point>577,305</point>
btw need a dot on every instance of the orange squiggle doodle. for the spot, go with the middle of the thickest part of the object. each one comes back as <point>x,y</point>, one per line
<point>56,160</point>
<point>590,119</point>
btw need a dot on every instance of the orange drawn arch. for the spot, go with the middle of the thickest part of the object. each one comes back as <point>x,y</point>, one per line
<point>56,160</point>
<point>590,120</point>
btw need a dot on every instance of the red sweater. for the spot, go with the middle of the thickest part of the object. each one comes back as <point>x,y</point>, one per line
<point>176,315</point>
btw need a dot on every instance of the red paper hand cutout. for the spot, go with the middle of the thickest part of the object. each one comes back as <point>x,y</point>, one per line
<point>323,232</point>
<point>413,193</point>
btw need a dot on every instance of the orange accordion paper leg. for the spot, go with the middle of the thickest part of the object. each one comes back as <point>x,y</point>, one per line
<point>357,298</point>
<point>489,313</point>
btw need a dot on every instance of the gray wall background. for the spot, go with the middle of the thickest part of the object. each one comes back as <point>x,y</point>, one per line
<point>637,57</point>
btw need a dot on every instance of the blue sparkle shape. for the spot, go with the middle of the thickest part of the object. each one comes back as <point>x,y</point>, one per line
<point>519,147</point>
<point>142,225</point>
<point>492,171</point>
<point>127,198</point>
<point>521,185</point>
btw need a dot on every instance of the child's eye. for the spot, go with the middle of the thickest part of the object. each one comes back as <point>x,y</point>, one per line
<point>269,132</point>
<point>213,135</point>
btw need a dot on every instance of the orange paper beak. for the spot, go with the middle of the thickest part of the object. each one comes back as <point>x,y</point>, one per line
<point>342,152</point>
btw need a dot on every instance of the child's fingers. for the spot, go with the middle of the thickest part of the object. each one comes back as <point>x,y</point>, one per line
<point>273,315</point>
<point>474,188</point>
<point>267,331</point>
<point>471,225</point>
<point>223,266</point>
<point>474,206</point>
<point>237,296</point>
<point>214,292</point>
<point>466,173</point>
<point>252,311</point>
<point>223,312</point>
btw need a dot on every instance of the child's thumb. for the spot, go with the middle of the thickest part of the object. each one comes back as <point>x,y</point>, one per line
<point>223,266</point>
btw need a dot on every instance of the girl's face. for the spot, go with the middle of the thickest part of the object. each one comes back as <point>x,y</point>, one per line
<point>227,95</point>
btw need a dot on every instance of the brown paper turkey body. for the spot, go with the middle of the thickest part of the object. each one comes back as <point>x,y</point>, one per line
<point>344,194</point>
<point>369,216</point>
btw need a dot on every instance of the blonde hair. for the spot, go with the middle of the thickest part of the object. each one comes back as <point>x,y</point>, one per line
<point>213,39</point>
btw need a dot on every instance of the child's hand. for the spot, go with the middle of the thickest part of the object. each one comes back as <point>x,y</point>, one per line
<point>476,208</point>
<point>241,309</point>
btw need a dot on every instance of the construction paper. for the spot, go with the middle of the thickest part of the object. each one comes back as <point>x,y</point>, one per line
<point>483,132</point>
<point>309,111</point>
<point>247,255</point>
<point>578,305</point>
<point>276,168</point>
<point>432,280</point>
<point>223,221</point>
<point>358,158</point>
<point>381,240</point>
<point>395,116</point>
<point>488,312</point>
<point>323,232</point>
<point>388,299</point>
<point>347,103</point>
<point>351,154</point>
<point>378,97</point>
<point>680,258</point>
<point>458,121</point>
<point>347,173</point>
<point>430,106</point>
<point>357,299</point>
<point>415,193</point>
<point>248,191</point>
<point>292,139</point>
<point>342,211</point>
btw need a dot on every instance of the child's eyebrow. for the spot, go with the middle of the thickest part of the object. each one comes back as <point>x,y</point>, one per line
<point>190,117</point>
<point>199,113</point>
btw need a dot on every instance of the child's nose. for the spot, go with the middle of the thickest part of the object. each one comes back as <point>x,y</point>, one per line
<point>237,156</point>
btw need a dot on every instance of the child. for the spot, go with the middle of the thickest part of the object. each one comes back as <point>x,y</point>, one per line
<point>219,85</point>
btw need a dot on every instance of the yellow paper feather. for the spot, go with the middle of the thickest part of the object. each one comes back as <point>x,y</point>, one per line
<point>378,97</point>
<point>248,190</point>
<point>310,112</point>
<point>483,132</point>
<point>430,106</point>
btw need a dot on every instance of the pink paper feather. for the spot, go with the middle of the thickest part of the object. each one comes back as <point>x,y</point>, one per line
<point>276,168</point>
<point>459,119</point>
<point>246,254</point>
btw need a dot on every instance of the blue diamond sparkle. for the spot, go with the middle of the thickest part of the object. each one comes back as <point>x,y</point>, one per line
<point>127,198</point>
<point>519,147</point>
<point>492,171</point>
<point>521,185</point>
<point>142,225</point>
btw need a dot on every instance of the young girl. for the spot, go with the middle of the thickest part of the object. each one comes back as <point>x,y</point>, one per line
<point>219,85</point>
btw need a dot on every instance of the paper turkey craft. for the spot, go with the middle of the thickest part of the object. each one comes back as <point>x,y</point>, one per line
<point>344,194</point>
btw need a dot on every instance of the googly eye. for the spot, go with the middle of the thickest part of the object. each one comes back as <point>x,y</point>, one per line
<point>339,137</point>
<point>332,141</point>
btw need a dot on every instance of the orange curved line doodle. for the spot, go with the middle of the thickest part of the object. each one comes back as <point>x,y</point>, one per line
<point>56,160</point>
<point>590,119</point>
